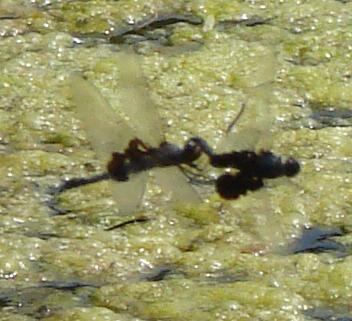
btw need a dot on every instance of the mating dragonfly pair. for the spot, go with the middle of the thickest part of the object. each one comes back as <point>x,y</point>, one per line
<point>108,132</point>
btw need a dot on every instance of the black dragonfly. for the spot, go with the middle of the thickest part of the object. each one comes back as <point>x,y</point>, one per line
<point>247,149</point>
<point>252,168</point>
<point>109,132</point>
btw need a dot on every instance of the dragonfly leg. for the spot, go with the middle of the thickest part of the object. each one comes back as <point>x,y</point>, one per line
<point>196,178</point>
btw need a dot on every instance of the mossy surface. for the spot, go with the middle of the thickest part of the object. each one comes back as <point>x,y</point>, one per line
<point>226,259</point>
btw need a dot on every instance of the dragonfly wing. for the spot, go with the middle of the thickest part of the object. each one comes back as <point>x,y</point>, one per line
<point>253,130</point>
<point>136,103</point>
<point>171,179</point>
<point>128,195</point>
<point>107,132</point>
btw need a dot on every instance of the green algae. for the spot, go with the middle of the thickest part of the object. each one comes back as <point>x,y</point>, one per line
<point>197,92</point>
<point>94,313</point>
<point>176,298</point>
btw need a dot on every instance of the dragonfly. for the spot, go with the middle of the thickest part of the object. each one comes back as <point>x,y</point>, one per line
<point>246,141</point>
<point>252,169</point>
<point>109,134</point>
<point>247,150</point>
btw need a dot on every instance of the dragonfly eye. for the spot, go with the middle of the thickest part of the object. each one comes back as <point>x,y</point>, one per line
<point>292,167</point>
<point>200,144</point>
<point>192,152</point>
<point>193,149</point>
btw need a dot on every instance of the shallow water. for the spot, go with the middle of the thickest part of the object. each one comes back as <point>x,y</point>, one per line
<point>216,261</point>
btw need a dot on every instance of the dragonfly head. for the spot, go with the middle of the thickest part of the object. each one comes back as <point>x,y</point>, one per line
<point>292,167</point>
<point>192,150</point>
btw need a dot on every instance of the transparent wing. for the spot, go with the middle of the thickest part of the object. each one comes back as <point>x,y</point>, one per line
<point>172,179</point>
<point>253,130</point>
<point>107,132</point>
<point>128,195</point>
<point>137,106</point>
<point>135,102</point>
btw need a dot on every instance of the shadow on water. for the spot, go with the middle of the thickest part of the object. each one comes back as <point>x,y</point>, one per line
<point>318,240</point>
<point>327,314</point>
<point>331,117</point>
<point>46,298</point>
